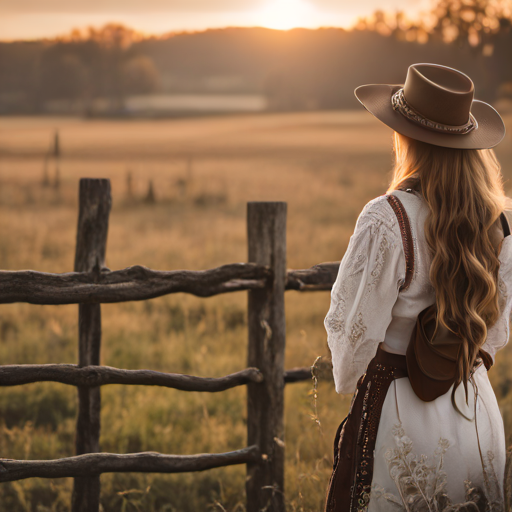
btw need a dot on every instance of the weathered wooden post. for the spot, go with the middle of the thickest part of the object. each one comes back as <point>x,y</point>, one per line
<point>56,155</point>
<point>266,230</point>
<point>150,196</point>
<point>91,242</point>
<point>46,178</point>
<point>129,184</point>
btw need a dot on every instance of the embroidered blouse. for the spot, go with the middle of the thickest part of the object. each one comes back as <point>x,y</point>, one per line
<point>366,304</point>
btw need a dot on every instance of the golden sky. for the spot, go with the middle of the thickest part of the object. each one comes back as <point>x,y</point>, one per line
<point>31,19</point>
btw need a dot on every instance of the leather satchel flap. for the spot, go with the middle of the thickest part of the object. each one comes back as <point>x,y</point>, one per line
<point>437,358</point>
<point>431,367</point>
<point>432,361</point>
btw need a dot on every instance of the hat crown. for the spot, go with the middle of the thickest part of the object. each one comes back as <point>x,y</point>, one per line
<point>438,93</point>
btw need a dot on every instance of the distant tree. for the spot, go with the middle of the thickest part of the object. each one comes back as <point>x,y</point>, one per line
<point>63,75</point>
<point>467,22</point>
<point>113,36</point>
<point>480,29</point>
<point>19,83</point>
<point>140,75</point>
<point>483,27</point>
<point>115,42</point>
<point>499,55</point>
<point>97,63</point>
<point>470,23</point>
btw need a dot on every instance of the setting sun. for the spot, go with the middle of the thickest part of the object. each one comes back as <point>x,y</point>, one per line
<point>285,14</point>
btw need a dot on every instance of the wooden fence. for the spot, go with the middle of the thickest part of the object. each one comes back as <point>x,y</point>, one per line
<point>265,276</point>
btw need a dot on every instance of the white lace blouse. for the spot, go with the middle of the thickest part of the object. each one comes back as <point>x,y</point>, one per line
<point>366,305</point>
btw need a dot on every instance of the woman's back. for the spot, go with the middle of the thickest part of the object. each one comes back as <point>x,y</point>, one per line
<point>367,306</point>
<point>420,293</point>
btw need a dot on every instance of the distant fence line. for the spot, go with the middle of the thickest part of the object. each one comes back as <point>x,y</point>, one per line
<point>265,277</point>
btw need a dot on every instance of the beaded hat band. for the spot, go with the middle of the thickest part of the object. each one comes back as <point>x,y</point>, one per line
<point>400,104</point>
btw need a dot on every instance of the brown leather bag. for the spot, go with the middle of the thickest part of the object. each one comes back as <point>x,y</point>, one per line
<point>431,361</point>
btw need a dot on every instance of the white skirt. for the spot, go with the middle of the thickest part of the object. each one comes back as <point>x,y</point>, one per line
<point>431,458</point>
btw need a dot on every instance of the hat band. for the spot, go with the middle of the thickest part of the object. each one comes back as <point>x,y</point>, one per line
<point>400,104</point>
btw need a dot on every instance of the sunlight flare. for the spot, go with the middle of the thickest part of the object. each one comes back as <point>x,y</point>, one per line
<point>285,14</point>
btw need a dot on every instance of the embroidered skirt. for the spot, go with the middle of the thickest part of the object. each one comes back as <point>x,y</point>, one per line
<point>394,452</point>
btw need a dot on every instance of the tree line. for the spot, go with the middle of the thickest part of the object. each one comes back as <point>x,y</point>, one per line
<point>297,69</point>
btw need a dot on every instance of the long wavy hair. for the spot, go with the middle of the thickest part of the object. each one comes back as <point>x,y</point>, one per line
<point>464,192</point>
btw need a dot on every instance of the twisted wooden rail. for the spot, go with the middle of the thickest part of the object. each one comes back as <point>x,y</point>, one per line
<point>141,283</point>
<point>93,464</point>
<point>93,376</point>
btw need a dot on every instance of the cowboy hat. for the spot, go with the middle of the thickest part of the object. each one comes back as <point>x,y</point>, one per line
<point>435,105</point>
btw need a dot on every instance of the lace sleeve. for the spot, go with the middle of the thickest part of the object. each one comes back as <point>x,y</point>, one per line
<point>366,288</point>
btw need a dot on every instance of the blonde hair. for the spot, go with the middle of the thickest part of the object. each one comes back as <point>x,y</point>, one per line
<point>464,192</point>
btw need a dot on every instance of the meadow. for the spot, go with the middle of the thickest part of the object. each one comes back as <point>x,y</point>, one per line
<point>325,165</point>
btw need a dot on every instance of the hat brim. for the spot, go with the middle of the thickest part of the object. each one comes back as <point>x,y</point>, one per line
<point>376,98</point>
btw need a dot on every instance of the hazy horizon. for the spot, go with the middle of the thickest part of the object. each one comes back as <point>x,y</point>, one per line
<point>31,19</point>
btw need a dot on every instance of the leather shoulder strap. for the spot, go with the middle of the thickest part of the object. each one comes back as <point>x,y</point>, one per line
<point>504,225</point>
<point>405,230</point>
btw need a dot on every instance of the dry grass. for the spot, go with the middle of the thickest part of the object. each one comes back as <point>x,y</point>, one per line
<point>325,165</point>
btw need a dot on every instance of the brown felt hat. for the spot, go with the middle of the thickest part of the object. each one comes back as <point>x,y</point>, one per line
<point>435,105</point>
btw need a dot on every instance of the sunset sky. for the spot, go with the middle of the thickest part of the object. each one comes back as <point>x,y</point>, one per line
<point>31,19</point>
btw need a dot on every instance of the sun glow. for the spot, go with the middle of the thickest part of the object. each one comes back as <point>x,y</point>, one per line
<point>285,14</point>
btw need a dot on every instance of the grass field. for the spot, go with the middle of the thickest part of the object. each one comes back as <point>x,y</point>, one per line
<point>325,165</point>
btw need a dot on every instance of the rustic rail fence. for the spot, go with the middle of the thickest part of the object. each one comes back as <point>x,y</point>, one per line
<point>265,277</point>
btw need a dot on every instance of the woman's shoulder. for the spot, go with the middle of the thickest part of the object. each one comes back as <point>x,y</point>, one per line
<point>415,206</point>
<point>411,199</point>
<point>379,212</point>
<point>383,209</point>
<point>377,206</point>
<point>383,202</point>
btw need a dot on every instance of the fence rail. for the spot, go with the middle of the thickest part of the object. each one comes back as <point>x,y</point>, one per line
<point>92,464</point>
<point>266,279</point>
<point>104,286</point>
<point>93,376</point>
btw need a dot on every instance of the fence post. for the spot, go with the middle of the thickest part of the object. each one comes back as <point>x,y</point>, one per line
<point>91,241</point>
<point>266,232</point>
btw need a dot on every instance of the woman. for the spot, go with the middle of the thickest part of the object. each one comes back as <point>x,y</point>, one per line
<point>420,307</point>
